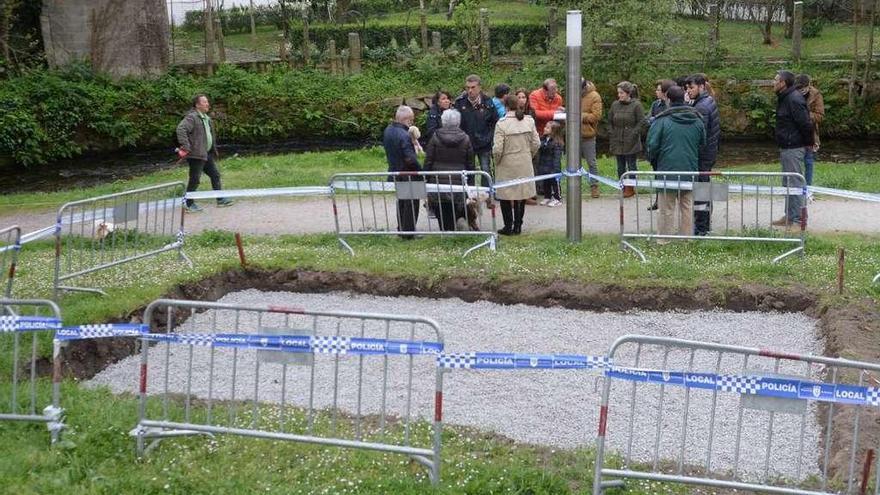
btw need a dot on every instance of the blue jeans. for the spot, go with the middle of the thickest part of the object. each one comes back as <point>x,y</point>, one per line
<point>809,162</point>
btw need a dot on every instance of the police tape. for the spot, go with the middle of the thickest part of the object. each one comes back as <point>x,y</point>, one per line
<point>604,180</point>
<point>320,344</point>
<point>841,193</point>
<point>104,330</point>
<point>16,323</point>
<point>526,180</point>
<point>261,193</point>
<point>756,385</point>
<point>683,185</point>
<point>510,361</point>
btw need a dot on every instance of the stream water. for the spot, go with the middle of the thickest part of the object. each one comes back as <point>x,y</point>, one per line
<point>89,171</point>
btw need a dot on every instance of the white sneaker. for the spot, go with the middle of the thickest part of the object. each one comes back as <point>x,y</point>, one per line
<point>554,202</point>
<point>545,202</point>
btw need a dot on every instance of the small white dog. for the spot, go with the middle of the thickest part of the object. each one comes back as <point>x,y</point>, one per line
<point>103,229</point>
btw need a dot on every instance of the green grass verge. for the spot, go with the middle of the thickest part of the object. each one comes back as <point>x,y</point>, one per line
<point>311,169</point>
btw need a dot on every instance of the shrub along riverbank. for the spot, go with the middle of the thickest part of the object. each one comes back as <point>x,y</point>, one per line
<point>49,115</point>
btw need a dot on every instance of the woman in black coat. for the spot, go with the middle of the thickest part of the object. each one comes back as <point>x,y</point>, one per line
<point>441,101</point>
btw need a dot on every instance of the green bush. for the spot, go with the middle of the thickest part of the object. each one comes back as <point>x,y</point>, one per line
<point>813,27</point>
<point>502,36</point>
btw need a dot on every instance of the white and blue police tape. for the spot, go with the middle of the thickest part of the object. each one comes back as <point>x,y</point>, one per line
<point>525,180</point>
<point>99,331</point>
<point>15,323</point>
<point>330,344</point>
<point>841,193</point>
<point>260,193</point>
<point>757,385</point>
<point>509,361</point>
<point>604,180</point>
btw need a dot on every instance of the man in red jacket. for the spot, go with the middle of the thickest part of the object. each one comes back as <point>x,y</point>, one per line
<point>545,102</point>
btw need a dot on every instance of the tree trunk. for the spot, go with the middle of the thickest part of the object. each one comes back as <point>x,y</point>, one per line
<point>423,25</point>
<point>451,9</point>
<point>869,55</point>
<point>209,37</point>
<point>855,65</point>
<point>789,17</point>
<point>307,57</point>
<point>253,23</point>
<point>6,7</point>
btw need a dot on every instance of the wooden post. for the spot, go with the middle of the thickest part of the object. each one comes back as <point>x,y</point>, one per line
<point>240,247</point>
<point>435,41</point>
<point>423,25</point>
<point>253,23</point>
<point>331,54</point>
<point>354,53</point>
<point>209,38</point>
<point>797,25</point>
<point>552,28</point>
<point>855,63</point>
<point>485,49</point>
<point>306,46</point>
<point>869,55</point>
<point>221,44</point>
<point>713,27</point>
<point>841,260</point>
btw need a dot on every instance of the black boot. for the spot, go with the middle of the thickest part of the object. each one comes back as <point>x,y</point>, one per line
<point>507,215</point>
<point>519,209</point>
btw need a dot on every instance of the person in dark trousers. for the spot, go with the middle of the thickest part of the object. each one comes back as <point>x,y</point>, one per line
<point>401,156</point>
<point>626,118</point>
<point>449,150</point>
<point>550,161</point>
<point>198,144</point>
<point>794,133</point>
<point>441,102</point>
<point>703,102</point>
<point>816,106</point>
<point>478,119</point>
<point>673,144</point>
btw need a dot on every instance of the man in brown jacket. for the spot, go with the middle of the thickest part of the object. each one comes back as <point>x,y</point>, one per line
<point>816,106</point>
<point>198,145</point>
<point>591,114</point>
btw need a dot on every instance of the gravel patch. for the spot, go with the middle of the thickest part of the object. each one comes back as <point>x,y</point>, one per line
<point>554,408</point>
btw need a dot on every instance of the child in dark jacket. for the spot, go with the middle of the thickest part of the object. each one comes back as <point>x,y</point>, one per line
<point>550,161</point>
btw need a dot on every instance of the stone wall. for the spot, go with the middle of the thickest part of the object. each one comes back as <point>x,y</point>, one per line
<point>120,37</point>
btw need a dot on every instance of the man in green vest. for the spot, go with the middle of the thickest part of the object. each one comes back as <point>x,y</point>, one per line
<point>199,147</point>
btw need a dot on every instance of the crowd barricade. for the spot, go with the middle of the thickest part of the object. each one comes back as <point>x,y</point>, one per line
<point>320,377</point>
<point>21,323</point>
<point>414,204</point>
<point>742,205</point>
<point>106,231</point>
<point>714,423</point>
<point>10,244</point>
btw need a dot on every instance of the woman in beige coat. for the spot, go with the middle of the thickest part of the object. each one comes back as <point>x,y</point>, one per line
<point>516,142</point>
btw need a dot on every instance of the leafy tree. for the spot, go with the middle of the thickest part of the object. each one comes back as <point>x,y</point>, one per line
<point>626,36</point>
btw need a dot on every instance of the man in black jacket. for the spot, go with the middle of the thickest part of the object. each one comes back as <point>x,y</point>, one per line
<point>478,119</point>
<point>704,103</point>
<point>401,155</point>
<point>794,131</point>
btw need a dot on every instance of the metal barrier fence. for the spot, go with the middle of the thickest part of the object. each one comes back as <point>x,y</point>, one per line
<point>106,231</point>
<point>319,377</point>
<point>21,320</point>
<point>743,206</point>
<point>389,203</point>
<point>735,417</point>
<point>10,244</point>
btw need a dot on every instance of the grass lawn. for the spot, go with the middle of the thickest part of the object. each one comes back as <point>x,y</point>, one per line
<point>739,38</point>
<point>315,169</point>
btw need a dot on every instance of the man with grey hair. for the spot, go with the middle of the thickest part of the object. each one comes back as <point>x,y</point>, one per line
<point>478,119</point>
<point>401,156</point>
<point>449,150</point>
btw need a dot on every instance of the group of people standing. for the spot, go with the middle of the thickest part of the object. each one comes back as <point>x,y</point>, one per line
<point>517,132</point>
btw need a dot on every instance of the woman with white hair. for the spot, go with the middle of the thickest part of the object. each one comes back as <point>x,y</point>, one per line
<point>449,150</point>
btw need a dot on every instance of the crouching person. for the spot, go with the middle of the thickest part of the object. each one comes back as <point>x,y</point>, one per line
<point>449,150</point>
<point>674,143</point>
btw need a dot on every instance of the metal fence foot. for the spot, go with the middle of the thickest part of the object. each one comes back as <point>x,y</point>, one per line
<point>185,258</point>
<point>346,246</point>
<point>799,249</point>
<point>81,289</point>
<point>490,242</point>
<point>624,245</point>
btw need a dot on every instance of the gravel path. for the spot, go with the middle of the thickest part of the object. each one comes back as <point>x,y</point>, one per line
<point>308,216</point>
<point>554,408</point>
